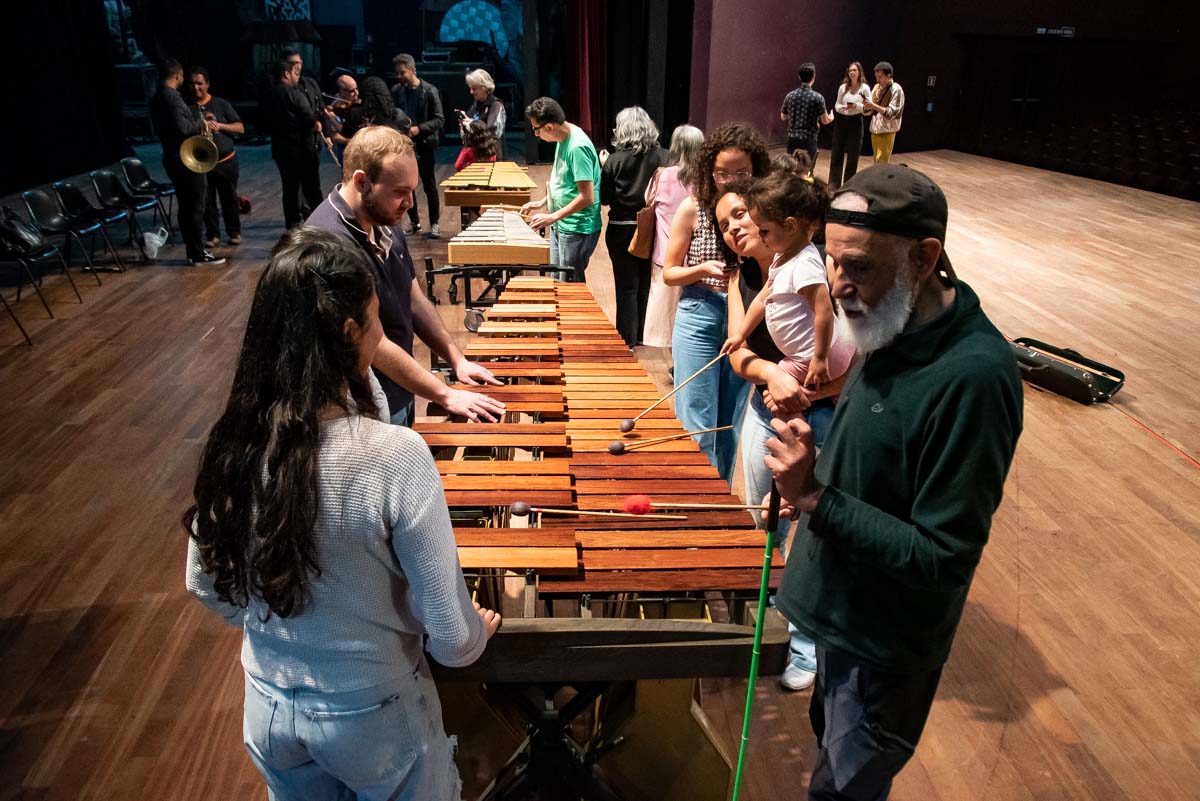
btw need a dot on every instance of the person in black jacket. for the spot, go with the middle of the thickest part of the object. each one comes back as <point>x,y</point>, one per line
<point>486,107</point>
<point>290,118</point>
<point>175,121</point>
<point>422,102</point>
<point>624,176</point>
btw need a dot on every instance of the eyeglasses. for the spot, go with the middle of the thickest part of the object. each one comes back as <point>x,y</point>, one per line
<point>538,128</point>
<point>725,177</point>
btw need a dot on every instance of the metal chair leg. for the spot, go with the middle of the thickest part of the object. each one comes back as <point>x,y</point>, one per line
<point>108,243</point>
<point>13,315</point>
<point>86,255</point>
<point>33,283</point>
<point>67,273</point>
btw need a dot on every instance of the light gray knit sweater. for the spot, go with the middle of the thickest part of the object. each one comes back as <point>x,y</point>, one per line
<point>389,572</point>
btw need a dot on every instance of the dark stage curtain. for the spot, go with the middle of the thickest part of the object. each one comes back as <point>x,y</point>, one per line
<point>63,115</point>
<point>589,68</point>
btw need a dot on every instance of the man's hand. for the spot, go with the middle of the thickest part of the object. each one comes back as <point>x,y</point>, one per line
<point>539,221</point>
<point>474,375</point>
<point>532,205</point>
<point>491,619</point>
<point>786,510</point>
<point>413,130</point>
<point>475,407</point>
<point>791,463</point>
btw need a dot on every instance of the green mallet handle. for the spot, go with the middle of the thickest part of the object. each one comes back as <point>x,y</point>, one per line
<point>772,525</point>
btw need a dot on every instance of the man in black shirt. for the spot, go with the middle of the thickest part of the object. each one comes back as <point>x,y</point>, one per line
<point>174,121</point>
<point>223,121</point>
<point>379,175</point>
<point>291,119</point>
<point>804,112</point>
<point>422,102</point>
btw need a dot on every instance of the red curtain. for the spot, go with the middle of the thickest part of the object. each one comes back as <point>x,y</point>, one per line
<point>589,68</point>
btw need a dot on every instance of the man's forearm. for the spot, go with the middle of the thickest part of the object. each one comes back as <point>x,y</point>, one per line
<point>578,203</point>
<point>429,327</point>
<point>398,365</point>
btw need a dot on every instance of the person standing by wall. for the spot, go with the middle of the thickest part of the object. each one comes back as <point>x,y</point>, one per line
<point>626,175</point>
<point>853,94</point>
<point>422,102</point>
<point>572,199</point>
<point>887,109</point>
<point>804,112</point>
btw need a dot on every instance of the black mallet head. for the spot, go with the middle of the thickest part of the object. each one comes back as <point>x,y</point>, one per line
<point>627,426</point>
<point>520,509</point>
<point>616,447</point>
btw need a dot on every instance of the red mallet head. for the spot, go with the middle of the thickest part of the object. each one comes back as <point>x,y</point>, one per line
<point>627,426</point>
<point>637,504</point>
<point>616,447</point>
<point>520,509</point>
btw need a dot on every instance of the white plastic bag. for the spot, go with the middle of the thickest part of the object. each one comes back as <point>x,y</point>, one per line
<point>154,240</point>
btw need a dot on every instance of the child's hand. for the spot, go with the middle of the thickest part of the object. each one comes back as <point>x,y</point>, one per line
<point>732,344</point>
<point>818,372</point>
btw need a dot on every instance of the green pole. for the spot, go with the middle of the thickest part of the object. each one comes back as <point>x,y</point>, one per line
<point>772,526</point>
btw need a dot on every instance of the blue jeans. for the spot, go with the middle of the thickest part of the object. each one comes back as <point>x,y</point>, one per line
<point>718,395</point>
<point>756,431</point>
<point>868,722</point>
<point>378,743</point>
<point>572,250</point>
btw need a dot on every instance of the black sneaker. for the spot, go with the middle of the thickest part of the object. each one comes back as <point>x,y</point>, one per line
<point>207,258</point>
<point>412,229</point>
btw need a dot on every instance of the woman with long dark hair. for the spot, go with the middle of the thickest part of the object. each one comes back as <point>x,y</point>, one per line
<point>323,531</point>
<point>696,260</point>
<point>853,93</point>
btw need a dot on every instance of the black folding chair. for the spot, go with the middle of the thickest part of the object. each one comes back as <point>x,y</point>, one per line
<point>21,243</point>
<point>112,194</point>
<point>140,182</point>
<point>80,209</point>
<point>48,215</point>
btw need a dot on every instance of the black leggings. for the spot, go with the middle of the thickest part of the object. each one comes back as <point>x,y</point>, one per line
<point>847,145</point>
<point>631,279</point>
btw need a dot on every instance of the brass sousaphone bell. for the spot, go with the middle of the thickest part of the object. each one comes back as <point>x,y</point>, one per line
<point>199,153</point>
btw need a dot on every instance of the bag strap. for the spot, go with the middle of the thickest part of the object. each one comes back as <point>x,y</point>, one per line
<point>654,187</point>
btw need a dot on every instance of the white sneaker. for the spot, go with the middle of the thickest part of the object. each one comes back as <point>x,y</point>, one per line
<point>796,678</point>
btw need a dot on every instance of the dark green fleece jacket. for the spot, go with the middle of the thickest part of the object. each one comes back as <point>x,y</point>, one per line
<point>914,468</point>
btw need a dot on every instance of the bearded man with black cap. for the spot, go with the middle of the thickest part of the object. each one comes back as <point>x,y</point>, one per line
<point>895,514</point>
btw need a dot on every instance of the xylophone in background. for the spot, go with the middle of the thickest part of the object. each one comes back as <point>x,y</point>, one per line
<point>603,606</point>
<point>496,246</point>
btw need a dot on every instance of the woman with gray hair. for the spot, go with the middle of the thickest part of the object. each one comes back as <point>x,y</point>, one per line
<point>673,184</point>
<point>624,177</point>
<point>485,107</point>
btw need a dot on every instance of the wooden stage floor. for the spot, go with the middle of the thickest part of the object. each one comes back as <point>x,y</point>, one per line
<point>1074,675</point>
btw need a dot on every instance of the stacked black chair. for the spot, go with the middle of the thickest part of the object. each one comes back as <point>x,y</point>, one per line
<point>139,180</point>
<point>24,245</point>
<point>112,194</point>
<point>80,209</point>
<point>48,215</point>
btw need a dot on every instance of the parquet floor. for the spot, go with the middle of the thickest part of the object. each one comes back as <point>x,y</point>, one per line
<point>1074,672</point>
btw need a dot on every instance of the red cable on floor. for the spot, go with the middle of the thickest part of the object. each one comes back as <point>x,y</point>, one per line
<point>1160,437</point>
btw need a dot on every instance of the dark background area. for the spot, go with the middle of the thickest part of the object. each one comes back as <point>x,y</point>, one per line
<point>1113,101</point>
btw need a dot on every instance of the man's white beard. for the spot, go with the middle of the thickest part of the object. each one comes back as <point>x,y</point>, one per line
<point>880,324</point>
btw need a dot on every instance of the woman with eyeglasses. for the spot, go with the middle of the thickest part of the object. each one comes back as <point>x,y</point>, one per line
<point>697,260</point>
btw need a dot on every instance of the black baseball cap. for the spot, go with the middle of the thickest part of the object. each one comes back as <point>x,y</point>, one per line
<point>900,201</point>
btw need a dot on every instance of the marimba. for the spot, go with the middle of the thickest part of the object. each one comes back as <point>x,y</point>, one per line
<point>596,597</point>
<point>488,184</point>
<point>493,247</point>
